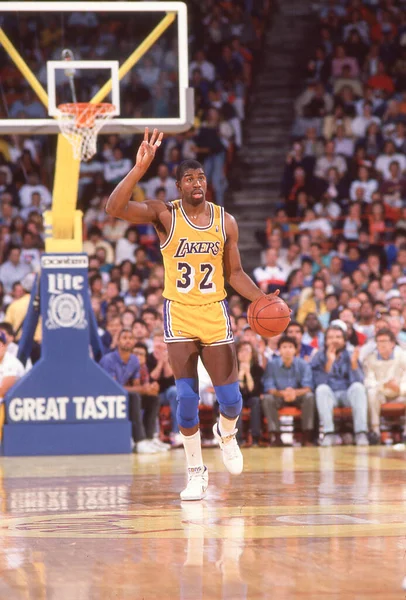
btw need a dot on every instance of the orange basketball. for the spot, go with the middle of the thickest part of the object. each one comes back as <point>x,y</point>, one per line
<point>268,316</point>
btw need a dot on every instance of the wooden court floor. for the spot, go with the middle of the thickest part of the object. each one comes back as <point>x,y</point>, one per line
<point>317,523</point>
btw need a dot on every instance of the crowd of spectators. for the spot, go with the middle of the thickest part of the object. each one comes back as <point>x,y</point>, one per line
<point>336,246</point>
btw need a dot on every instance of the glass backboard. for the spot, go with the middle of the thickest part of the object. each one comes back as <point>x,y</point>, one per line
<point>147,39</point>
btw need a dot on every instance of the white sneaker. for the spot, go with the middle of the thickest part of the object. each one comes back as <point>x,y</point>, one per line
<point>232,456</point>
<point>176,440</point>
<point>146,447</point>
<point>198,481</point>
<point>162,447</point>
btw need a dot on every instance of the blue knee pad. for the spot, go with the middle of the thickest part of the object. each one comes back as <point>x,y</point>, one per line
<point>230,399</point>
<point>187,412</point>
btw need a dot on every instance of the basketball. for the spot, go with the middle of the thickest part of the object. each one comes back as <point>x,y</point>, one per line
<point>268,316</point>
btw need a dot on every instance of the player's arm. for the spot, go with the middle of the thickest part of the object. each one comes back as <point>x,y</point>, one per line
<point>119,205</point>
<point>234,273</point>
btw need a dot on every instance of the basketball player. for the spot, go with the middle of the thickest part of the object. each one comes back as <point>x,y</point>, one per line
<point>199,248</point>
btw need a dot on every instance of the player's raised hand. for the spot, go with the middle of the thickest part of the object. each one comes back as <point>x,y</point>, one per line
<point>148,147</point>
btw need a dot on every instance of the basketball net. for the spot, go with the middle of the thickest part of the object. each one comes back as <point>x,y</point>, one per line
<point>80,124</point>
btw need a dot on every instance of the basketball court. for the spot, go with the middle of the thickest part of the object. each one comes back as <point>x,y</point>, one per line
<point>298,523</point>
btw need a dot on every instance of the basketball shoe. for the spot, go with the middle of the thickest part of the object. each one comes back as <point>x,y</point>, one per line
<point>198,481</point>
<point>232,456</point>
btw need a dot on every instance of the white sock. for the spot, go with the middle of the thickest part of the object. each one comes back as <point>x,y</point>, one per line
<point>193,449</point>
<point>227,426</point>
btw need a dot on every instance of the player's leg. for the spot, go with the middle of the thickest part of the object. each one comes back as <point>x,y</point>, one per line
<point>221,364</point>
<point>183,357</point>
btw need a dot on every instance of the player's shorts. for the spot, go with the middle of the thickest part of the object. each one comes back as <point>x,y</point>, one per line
<point>209,323</point>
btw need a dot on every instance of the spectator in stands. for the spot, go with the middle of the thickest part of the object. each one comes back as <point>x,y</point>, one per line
<point>329,159</point>
<point>338,380</point>
<point>212,154</point>
<point>288,382</point>
<point>206,67</point>
<point>271,276</point>
<point>11,370</point>
<point>161,372</point>
<point>354,337</point>
<point>296,331</point>
<point>94,241</point>
<point>389,155</point>
<point>313,335</point>
<point>134,294</point>
<point>313,300</point>
<point>124,367</point>
<point>7,330</point>
<point>315,225</point>
<point>366,183</point>
<point>162,179</point>
<point>385,378</point>
<point>34,186</point>
<point>149,392</point>
<point>250,380</point>
<point>353,223</point>
<point>366,319</point>
<point>14,269</point>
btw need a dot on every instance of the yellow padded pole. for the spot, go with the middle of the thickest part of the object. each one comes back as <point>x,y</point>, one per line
<point>24,68</point>
<point>135,56</point>
<point>65,192</point>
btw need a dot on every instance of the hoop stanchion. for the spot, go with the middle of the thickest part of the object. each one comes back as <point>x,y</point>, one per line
<point>81,122</point>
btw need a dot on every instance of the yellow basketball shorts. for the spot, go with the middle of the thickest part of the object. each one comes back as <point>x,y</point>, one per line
<point>209,323</point>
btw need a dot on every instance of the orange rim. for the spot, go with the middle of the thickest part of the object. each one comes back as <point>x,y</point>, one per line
<point>86,113</point>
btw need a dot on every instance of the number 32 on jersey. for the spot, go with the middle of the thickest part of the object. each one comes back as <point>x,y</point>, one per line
<point>187,278</point>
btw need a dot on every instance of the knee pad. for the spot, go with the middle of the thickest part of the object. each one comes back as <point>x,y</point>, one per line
<point>187,412</point>
<point>230,399</point>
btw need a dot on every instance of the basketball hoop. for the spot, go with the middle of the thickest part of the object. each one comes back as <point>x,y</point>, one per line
<point>80,124</point>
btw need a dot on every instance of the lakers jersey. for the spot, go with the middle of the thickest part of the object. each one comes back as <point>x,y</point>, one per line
<point>193,258</point>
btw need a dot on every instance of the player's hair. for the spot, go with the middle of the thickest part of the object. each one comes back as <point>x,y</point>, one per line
<point>287,339</point>
<point>185,165</point>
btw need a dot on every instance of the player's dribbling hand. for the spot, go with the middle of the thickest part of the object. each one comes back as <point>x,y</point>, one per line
<point>146,151</point>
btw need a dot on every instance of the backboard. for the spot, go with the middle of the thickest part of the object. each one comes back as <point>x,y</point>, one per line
<point>147,41</point>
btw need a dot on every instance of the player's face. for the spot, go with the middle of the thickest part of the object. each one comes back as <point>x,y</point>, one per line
<point>193,186</point>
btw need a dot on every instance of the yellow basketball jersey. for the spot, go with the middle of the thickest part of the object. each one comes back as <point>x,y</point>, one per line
<point>193,258</point>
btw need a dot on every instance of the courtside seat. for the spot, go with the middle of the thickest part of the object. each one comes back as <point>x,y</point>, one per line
<point>207,416</point>
<point>290,411</point>
<point>393,410</point>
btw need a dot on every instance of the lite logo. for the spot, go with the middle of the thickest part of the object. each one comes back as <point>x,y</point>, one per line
<point>61,282</point>
<point>65,305</point>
